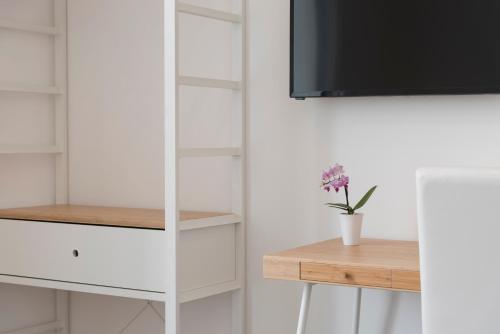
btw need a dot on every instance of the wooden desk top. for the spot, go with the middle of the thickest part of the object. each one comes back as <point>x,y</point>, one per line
<point>96,215</point>
<point>385,264</point>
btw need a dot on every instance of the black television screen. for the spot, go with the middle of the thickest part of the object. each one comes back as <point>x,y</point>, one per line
<point>394,47</point>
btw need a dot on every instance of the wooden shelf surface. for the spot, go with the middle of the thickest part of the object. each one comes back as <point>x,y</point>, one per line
<point>387,264</point>
<point>106,216</point>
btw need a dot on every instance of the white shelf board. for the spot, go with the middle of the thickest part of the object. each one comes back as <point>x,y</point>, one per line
<point>208,12</point>
<point>211,83</point>
<point>210,152</point>
<point>29,149</point>
<point>203,292</point>
<point>186,296</point>
<point>11,25</point>
<point>24,88</point>
<point>86,288</point>
<point>209,222</point>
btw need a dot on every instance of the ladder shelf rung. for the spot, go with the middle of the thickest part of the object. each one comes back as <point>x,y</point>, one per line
<point>227,219</point>
<point>211,83</point>
<point>24,88</point>
<point>210,152</point>
<point>45,30</point>
<point>29,149</point>
<point>208,12</point>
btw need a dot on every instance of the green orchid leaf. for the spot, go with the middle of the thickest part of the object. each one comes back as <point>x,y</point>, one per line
<point>365,198</point>
<point>338,207</point>
<point>339,204</point>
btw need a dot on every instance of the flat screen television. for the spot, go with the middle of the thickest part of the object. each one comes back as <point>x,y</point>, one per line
<point>394,47</point>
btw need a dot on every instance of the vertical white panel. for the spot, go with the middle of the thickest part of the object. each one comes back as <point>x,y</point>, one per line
<point>239,166</point>
<point>60,103</point>
<point>171,164</point>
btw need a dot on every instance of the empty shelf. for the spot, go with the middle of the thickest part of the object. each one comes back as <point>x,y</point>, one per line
<point>117,217</point>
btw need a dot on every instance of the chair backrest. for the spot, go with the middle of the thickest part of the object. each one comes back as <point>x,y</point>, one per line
<point>459,233</point>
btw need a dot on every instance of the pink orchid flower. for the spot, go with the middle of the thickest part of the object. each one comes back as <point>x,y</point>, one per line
<point>334,178</point>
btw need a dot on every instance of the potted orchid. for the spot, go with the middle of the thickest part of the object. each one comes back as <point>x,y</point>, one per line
<point>334,178</point>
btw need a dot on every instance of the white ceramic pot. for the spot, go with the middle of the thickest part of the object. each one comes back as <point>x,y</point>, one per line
<point>350,226</point>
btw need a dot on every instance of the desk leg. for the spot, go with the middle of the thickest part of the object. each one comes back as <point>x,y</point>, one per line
<point>304,308</point>
<point>357,310</point>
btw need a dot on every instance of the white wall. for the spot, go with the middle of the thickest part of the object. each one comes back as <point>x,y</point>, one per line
<point>115,62</point>
<point>379,140</point>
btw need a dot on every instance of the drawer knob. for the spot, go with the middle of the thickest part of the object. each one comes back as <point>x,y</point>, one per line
<point>347,276</point>
<point>75,252</point>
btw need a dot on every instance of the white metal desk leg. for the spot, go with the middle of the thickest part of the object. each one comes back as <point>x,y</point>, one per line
<point>357,310</point>
<point>304,308</point>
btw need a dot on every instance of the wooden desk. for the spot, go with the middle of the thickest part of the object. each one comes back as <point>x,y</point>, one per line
<point>380,264</point>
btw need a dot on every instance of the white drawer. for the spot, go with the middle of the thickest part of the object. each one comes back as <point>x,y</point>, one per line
<point>97,255</point>
<point>127,258</point>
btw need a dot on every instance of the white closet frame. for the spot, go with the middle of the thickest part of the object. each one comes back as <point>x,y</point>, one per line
<point>173,81</point>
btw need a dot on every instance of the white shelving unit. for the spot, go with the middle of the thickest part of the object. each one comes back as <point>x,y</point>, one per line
<point>174,296</point>
<point>173,81</point>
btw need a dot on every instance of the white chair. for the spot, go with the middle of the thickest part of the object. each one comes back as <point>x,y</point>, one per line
<point>459,232</point>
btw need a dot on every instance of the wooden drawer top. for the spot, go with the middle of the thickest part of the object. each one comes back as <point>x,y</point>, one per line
<point>399,258</point>
<point>97,215</point>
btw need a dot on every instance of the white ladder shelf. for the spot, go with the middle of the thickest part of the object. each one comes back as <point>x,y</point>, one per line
<point>173,81</point>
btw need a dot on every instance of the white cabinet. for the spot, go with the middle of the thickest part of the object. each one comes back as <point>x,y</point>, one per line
<point>115,257</point>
